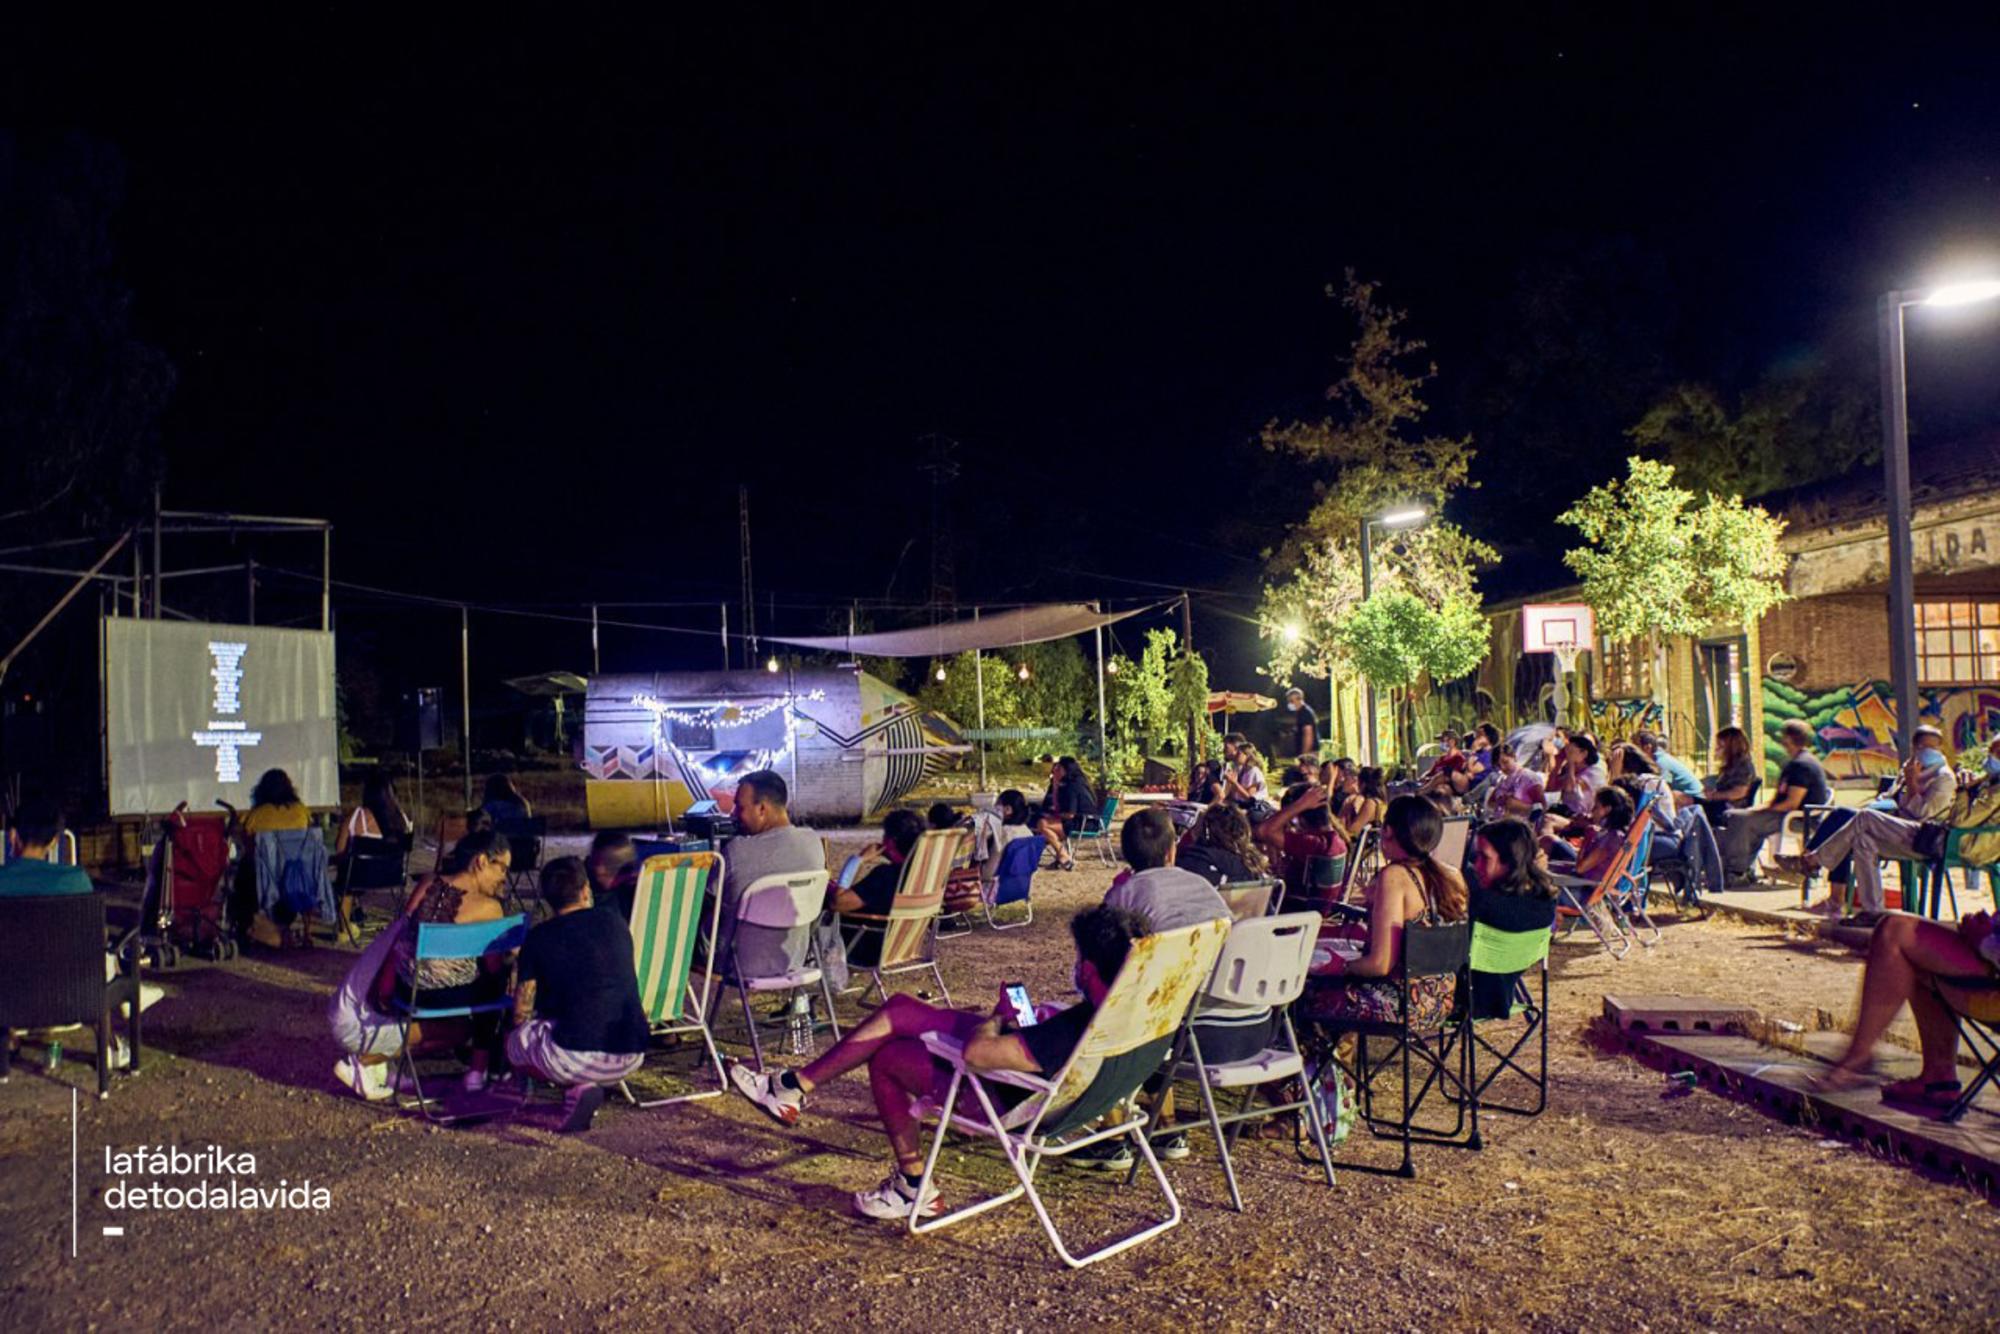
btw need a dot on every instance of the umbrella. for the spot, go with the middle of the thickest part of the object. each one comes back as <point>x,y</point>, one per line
<point>1239,701</point>
<point>1526,741</point>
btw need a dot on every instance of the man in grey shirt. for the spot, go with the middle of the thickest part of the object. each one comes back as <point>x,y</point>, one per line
<point>1165,895</point>
<point>770,844</point>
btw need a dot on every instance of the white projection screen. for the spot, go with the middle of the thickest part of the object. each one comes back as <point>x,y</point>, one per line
<point>196,712</point>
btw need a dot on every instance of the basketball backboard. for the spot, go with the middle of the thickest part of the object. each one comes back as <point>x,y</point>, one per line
<point>1546,626</point>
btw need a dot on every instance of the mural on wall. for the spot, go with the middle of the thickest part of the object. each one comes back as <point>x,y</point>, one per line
<point>1856,725</point>
<point>1611,718</point>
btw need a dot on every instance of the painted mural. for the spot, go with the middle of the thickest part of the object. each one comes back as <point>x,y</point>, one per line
<point>1856,725</point>
<point>1622,717</point>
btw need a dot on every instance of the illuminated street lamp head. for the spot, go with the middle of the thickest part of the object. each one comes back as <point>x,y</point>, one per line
<point>1401,518</point>
<point>1963,294</point>
<point>771,666</point>
<point>1292,633</point>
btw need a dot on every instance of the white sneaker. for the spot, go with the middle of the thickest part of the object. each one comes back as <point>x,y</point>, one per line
<point>150,995</point>
<point>368,1082</point>
<point>474,1081</point>
<point>780,1103</point>
<point>895,1200</point>
<point>121,1052</point>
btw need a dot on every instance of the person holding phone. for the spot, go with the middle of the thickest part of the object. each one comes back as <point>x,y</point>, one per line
<point>902,1072</point>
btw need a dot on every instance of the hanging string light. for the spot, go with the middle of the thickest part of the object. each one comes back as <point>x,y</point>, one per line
<point>940,671</point>
<point>771,665</point>
<point>1111,668</point>
<point>1023,673</point>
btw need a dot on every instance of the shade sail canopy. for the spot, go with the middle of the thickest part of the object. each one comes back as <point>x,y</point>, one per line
<point>1003,629</point>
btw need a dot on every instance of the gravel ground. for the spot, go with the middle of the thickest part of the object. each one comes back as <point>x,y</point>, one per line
<point>1619,1208</point>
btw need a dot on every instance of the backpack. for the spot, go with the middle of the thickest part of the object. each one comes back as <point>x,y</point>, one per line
<point>1331,1091</point>
<point>297,887</point>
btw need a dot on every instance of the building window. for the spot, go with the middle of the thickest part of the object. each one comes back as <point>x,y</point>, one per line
<point>1958,643</point>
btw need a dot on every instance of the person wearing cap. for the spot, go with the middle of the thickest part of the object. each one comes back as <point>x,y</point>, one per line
<point>1304,723</point>
<point>1926,793</point>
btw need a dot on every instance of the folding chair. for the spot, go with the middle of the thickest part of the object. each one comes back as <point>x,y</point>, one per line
<point>1127,1038</point>
<point>1623,879</point>
<point>52,974</point>
<point>1263,965</point>
<point>1428,951</point>
<point>1250,898</point>
<point>1517,953</point>
<point>905,938</point>
<point>781,903</point>
<point>666,917</point>
<point>1955,857</point>
<point>440,942</point>
<point>1452,842</point>
<point>1974,1005</point>
<point>1013,882</point>
<point>1366,849</point>
<point>1096,830</point>
<point>369,863</point>
<point>526,837</point>
<point>291,867</point>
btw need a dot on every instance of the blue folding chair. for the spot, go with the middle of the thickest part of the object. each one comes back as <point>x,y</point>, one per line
<point>439,942</point>
<point>1096,830</point>
<point>1013,879</point>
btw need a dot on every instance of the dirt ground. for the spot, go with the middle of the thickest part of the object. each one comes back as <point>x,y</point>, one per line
<point>1619,1208</point>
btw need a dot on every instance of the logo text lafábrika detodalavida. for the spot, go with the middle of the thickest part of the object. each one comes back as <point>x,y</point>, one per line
<point>205,1178</point>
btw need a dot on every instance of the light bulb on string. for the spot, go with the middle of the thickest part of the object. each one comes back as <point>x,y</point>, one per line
<point>940,671</point>
<point>771,665</point>
<point>1023,673</point>
<point>1111,668</point>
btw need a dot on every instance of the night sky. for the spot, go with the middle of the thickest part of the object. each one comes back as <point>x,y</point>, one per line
<point>519,307</point>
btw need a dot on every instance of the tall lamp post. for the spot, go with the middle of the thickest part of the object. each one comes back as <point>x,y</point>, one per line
<point>1896,483</point>
<point>1406,517</point>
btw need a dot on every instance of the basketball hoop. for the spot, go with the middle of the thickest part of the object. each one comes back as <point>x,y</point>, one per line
<point>1567,651</point>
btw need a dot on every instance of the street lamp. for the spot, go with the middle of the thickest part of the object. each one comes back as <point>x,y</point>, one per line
<point>1405,516</point>
<point>1896,482</point>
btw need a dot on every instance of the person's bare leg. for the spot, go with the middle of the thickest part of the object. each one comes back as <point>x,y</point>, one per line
<point>1937,1036</point>
<point>1905,952</point>
<point>903,1017</point>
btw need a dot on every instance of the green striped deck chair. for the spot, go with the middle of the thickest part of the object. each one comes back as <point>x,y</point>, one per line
<point>1127,1040</point>
<point>667,911</point>
<point>904,940</point>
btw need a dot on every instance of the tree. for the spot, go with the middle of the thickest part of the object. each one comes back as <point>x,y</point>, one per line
<point>957,696</point>
<point>1366,457</point>
<point>1798,424</point>
<point>1658,562</point>
<point>1395,638</point>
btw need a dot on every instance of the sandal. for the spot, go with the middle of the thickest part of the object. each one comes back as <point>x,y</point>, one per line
<point>1923,1092</point>
<point>1835,1079</point>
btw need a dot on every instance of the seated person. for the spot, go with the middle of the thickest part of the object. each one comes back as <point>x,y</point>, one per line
<point>1366,805</point>
<point>613,867</point>
<point>474,879</point>
<point>1164,896</point>
<point>1578,775</point>
<point>274,808</point>
<point>1220,850</point>
<point>1511,891</point>
<point>769,844</point>
<point>578,1020</point>
<point>876,880</point>
<point>1486,743</point>
<point>1205,784</point>
<point>1300,831</point>
<point>1928,790</point>
<point>1611,815</point>
<point>1909,959</point>
<point>1245,783</point>
<point>379,815</point>
<point>1068,801</point>
<point>1339,777</point>
<point>1800,783</point>
<point>1450,773</point>
<point>1412,887</point>
<point>1729,788</point>
<point>1516,790</point>
<point>902,1073</point>
<point>503,801</point>
<point>31,842</point>
<point>1679,777</point>
<point>1014,817</point>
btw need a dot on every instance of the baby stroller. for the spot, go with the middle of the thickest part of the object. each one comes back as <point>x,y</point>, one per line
<point>184,907</point>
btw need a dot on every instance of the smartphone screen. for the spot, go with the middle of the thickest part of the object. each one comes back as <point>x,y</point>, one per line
<point>1017,1001</point>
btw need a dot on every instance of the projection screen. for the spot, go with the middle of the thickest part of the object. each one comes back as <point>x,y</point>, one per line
<point>196,712</point>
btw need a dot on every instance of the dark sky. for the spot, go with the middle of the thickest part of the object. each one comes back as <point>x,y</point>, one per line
<point>518,307</point>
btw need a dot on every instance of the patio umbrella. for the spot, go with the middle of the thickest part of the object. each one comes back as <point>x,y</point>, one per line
<point>1525,741</point>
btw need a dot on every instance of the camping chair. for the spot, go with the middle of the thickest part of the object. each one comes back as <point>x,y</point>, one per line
<point>1516,953</point>
<point>1366,849</point>
<point>292,880</point>
<point>1954,857</point>
<point>368,863</point>
<point>1263,965</point>
<point>906,936</point>
<point>526,836</point>
<point>52,974</point>
<point>451,828</point>
<point>781,903</point>
<point>442,941</point>
<point>1096,830</point>
<point>1013,881</point>
<point>1624,879</point>
<point>1974,1005</point>
<point>188,897</point>
<point>666,917</point>
<point>1251,898</point>
<point>1325,879</point>
<point>1428,951</point>
<point>1128,1037</point>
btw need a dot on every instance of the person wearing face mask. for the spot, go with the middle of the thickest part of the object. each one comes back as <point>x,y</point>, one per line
<point>1304,730</point>
<point>1926,793</point>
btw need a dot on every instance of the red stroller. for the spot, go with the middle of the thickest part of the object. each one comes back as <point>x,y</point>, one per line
<point>193,871</point>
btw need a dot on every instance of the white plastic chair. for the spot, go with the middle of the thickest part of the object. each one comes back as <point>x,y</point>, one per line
<point>782,903</point>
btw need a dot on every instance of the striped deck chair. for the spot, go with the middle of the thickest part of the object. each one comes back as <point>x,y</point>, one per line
<point>1128,1038</point>
<point>1623,883</point>
<point>907,933</point>
<point>667,908</point>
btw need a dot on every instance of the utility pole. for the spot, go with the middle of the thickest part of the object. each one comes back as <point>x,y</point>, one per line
<point>1187,647</point>
<point>749,589</point>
